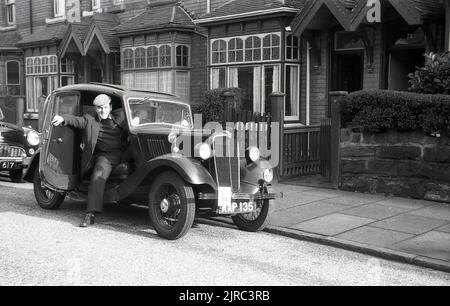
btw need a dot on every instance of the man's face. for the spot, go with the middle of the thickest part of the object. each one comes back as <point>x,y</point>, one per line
<point>103,111</point>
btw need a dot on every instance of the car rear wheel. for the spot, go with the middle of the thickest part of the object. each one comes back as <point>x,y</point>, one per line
<point>171,206</point>
<point>255,221</point>
<point>16,176</point>
<point>46,198</point>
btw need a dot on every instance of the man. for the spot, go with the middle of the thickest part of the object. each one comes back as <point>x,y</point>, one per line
<point>103,135</point>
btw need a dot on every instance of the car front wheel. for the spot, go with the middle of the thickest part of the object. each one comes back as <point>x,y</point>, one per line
<point>16,176</point>
<point>255,221</point>
<point>46,198</point>
<point>171,206</point>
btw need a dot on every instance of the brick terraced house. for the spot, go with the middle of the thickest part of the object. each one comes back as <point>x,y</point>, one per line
<point>303,48</point>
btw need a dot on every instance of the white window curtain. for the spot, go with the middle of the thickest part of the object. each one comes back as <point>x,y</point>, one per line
<point>30,95</point>
<point>142,80</point>
<point>153,81</point>
<point>257,80</point>
<point>182,81</point>
<point>215,78</point>
<point>294,86</point>
<point>128,79</point>
<point>165,81</point>
<point>234,77</point>
<point>276,79</point>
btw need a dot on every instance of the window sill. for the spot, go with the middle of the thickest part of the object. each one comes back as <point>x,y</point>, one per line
<point>55,20</point>
<point>7,28</point>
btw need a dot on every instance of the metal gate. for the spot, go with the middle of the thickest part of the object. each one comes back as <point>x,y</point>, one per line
<point>307,150</point>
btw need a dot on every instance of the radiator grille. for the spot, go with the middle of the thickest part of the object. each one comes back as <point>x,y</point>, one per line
<point>8,151</point>
<point>227,164</point>
<point>156,147</point>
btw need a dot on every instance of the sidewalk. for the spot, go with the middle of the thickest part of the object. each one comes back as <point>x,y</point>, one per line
<point>411,231</point>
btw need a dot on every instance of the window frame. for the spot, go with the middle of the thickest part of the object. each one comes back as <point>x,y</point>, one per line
<point>10,12</point>
<point>96,5</point>
<point>297,117</point>
<point>61,6</point>
<point>6,71</point>
<point>188,56</point>
<point>244,39</point>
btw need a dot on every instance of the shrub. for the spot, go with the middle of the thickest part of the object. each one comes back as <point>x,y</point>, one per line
<point>212,108</point>
<point>379,110</point>
<point>434,78</point>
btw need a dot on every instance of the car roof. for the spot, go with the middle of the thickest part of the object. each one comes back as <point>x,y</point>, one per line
<point>117,90</point>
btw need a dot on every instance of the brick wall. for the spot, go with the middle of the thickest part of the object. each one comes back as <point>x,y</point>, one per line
<point>407,164</point>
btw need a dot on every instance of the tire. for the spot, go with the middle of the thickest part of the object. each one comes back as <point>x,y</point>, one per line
<point>16,176</point>
<point>256,221</point>
<point>174,217</point>
<point>46,198</point>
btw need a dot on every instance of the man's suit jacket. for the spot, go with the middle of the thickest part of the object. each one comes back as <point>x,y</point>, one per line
<point>90,124</point>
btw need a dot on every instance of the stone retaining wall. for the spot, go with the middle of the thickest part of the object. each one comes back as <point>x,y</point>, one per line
<point>406,164</point>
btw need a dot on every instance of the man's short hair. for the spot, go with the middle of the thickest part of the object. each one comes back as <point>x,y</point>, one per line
<point>102,100</point>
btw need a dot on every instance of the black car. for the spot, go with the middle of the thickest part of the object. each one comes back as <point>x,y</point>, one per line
<point>17,147</point>
<point>176,181</point>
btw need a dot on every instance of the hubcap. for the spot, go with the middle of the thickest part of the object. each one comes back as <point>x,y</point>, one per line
<point>164,205</point>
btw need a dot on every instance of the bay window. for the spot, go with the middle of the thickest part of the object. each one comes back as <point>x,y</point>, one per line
<point>259,66</point>
<point>42,78</point>
<point>153,68</point>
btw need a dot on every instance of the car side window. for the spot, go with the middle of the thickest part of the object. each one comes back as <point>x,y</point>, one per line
<point>1,115</point>
<point>67,105</point>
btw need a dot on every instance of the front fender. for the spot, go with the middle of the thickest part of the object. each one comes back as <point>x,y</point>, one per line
<point>34,164</point>
<point>191,170</point>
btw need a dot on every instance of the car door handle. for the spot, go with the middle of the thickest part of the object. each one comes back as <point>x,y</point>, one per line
<point>59,140</point>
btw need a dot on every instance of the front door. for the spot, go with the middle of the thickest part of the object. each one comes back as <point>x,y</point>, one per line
<point>347,74</point>
<point>59,160</point>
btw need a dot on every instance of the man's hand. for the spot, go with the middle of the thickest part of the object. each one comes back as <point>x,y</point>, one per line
<point>57,120</point>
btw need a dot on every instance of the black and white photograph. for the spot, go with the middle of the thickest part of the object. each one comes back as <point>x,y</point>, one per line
<point>229,150</point>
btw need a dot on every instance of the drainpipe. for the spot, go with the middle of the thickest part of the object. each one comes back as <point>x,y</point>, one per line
<point>31,15</point>
<point>447,25</point>
<point>308,84</point>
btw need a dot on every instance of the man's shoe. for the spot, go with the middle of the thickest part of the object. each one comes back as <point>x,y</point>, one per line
<point>88,220</point>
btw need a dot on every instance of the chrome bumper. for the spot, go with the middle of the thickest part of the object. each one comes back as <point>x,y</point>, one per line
<point>242,196</point>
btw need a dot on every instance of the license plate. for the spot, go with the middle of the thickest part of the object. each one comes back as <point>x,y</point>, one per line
<point>7,165</point>
<point>238,207</point>
<point>229,206</point>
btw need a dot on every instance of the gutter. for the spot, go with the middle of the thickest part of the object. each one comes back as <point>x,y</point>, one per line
<point>249,14</point>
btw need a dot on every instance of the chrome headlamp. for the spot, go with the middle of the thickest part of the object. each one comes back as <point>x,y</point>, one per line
<point>33,138</point>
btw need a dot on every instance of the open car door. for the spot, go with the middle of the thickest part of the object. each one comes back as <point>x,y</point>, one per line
<point>59,161</point>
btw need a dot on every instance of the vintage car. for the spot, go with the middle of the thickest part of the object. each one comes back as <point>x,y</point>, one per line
<point>17,146</point>
<point>160,172</point>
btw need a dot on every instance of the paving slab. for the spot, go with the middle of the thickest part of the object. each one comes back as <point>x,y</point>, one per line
<point>325,193</point>
<point>313,210</point>
<point>378,212</point>
<point>433,245</point>
<point>353,200</point>
<point>332,225</point>
<point>374,236</point>
<point>284,219</point>
<point>410,224</point>
<point>408,204</point>
<point>294,199</point>
<point>437,211</point>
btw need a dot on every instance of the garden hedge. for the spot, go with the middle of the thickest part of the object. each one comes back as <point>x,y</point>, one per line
<point>380,110</point>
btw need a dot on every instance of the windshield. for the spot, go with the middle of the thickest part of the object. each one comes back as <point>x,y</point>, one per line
<point>149,111</point>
